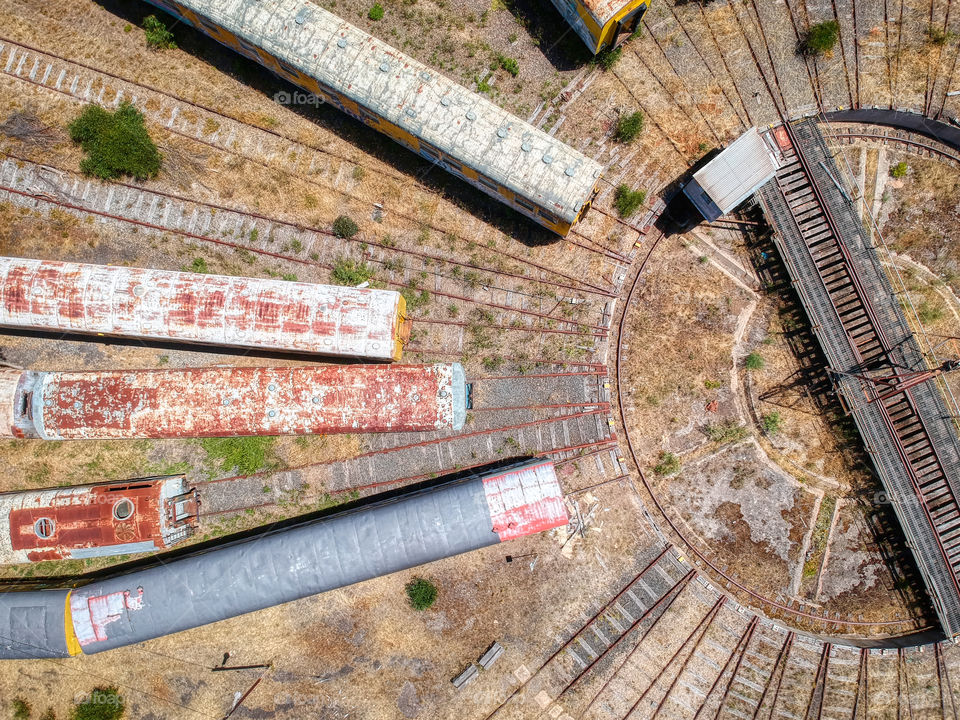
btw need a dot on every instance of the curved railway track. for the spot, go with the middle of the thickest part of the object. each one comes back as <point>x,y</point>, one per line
<point>766,604</point>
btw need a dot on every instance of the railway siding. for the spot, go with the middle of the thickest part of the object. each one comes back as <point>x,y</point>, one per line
<point>863,330</point>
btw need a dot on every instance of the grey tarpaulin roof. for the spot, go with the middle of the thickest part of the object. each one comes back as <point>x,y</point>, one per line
<point>283,566</point>
<point>32,624</point>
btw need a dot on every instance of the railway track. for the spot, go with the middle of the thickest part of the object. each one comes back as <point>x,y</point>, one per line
<point>895,423</point>
<point>262,146</point>
<point>510,418</point>
<point>901,139</point>
<point>797,616</point>
<point>496,307</point>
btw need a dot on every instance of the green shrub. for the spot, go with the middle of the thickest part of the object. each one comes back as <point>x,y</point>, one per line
<point>669,464</point>
<point>350,273</point>
<point>821,38</point>
<point>243,455</point>
<point>627,201</point>
<point>376,12</point>
<point>415,299</point>
<point>509,64</point>
<point>772,423</point>
<point>116,143</point>
<point>712,384</point>
<point>158,37</point>
<point>345,227</point>
<point>899,170</point>
<point>492,363</point>
<point>199,265</point>
<point>102,704</point>
<point>608,57</point>
<point>628,127</point>
<point>754,362</point>
<point>21,709</point>
<point>726,431</point>
<point>421,593</point>
<point>928,313</point>
<point>482,85</point>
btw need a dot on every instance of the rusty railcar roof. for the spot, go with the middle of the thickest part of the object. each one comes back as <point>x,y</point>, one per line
<point>193,307</point>
<point>417,98</point>
<point>223,402</point>
<point>90,520</point>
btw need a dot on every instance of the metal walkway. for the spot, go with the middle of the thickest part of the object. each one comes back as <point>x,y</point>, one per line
<point>860,325</point>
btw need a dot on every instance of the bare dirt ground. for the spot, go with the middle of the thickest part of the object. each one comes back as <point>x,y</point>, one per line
<point>758,496</point>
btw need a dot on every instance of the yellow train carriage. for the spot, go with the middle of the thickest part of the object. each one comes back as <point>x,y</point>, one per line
<point>603,24</point>
<point>452,127</point>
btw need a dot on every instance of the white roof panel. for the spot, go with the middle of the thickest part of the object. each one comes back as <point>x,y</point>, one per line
<point>468,127</point>
<point>737,171</point>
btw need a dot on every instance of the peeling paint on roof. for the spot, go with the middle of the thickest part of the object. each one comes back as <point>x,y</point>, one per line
<point>222,402</point>
<point>94,520</point>
<point>525,501</point>
<point>413,96</point>
<point>197,308</point>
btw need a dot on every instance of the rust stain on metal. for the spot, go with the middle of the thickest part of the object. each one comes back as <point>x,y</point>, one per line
<point>197,308</point>
<point>94,520</point>
<point>211,402</point>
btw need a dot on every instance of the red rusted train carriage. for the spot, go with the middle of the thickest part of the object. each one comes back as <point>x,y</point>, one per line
<point>207,309</point>
<point>223,402</point>
<point>87,521</point>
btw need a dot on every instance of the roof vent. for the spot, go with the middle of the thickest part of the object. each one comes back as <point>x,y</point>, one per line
<point>342,42</point>
<point>501,132</point>
<point>44,528</point>
<point>385,66</point>
<point>570,171</point>
<point>471,115</point>
<point>548,158</point>
<point>445,101</point>
<point>425,76</point>
<point>301,16</point>
<point>526,147</point>
<point>411,112</point>
<point>122,509</point>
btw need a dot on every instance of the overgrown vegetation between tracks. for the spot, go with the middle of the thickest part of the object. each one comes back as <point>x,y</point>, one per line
<point>116,144</point>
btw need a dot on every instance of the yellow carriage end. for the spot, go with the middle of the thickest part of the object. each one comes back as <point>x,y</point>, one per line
<point>73,645</point>
<point>403,326</point>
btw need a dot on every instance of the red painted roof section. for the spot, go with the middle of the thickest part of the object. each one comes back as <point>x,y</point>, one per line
<point>193,307</point>
<point>83,517</point>
<point>525,501</point>
<point>211,402</point>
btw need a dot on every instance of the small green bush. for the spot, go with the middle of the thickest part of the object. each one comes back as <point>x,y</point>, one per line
<point>772,423</point>
<point>928,313</point>
<point>726,431</point>
<point>669,464</point>
<point>102,704</point>
<point>376,12</point>
<point>199,265</point>
<point>754,362</point>
<point>345,227</point>
<point>608,57</point>
<point>350,273</point>
<point>415,299</point>
<point>627,201</point>
<point>421,593</point>
<point>21,709</point>
<point>158,37</point>
<point>509,64</point>
<point>899,170</point>
<point>821,38</point>
<point>628,127</point>
<point>116,143</point>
